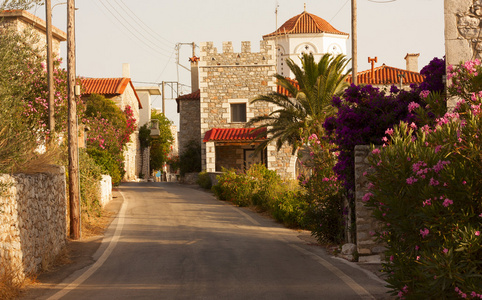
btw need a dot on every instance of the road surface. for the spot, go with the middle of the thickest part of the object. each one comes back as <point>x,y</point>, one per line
<point>171,241</point>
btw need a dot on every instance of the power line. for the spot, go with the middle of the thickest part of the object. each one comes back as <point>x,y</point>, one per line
<point>339,10</point>
<point>146,26</point>
<point>153,46</point>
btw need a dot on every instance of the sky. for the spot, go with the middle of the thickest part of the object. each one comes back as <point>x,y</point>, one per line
<point>144,33</point>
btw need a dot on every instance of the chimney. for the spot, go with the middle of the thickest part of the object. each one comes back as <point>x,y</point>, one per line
<point>194,73</point>
<point>126,70</point>
<point>412,61</point>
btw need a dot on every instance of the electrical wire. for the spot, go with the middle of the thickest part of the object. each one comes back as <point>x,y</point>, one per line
<point>339,11</point>
<point>145,25</point>
<point>145,41</point>
<point>132,36</point>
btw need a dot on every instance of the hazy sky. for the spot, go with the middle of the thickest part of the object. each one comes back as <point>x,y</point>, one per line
<point>152,28</point>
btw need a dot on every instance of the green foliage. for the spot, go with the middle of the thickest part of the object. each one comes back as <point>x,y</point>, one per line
<point>20,4</point>
<point>161,145</point>
<point>204,180</point>
<point>190,159</point>
<point>90,175</point>
<point>109,164</point>
<point>17,132</point>
<point>425,188</point>
<point>309,100</point>
<point>264,189</point>
<point>145,139</point>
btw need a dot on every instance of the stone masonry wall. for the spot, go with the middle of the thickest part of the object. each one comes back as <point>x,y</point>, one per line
<point>189,123</point>
<point>366,224</point>
<point>229,77</point>
<point>32,220</point>
<point>463,33</point>
<point>39,35</point>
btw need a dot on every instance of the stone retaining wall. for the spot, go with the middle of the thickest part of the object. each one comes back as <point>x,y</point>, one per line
<point>367,246</point>
<point>32,220</point>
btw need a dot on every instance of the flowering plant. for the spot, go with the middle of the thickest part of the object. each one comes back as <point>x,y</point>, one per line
<point>425,188</point>
<point>324,192</point>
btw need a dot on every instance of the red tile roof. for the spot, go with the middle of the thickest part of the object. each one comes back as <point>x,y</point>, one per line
<point>284,91</point>
<point>386,75</point>
<point>233,134</point>
<point>107,86</point>
<point>305,23</point>
<point>192,96</point>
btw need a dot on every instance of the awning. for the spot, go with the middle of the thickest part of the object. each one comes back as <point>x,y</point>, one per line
<point>234,134</point>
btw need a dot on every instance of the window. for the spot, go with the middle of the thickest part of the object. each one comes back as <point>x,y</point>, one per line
<point>238,112</point>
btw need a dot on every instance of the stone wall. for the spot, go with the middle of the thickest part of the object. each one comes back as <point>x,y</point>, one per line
<point>32,220</point>
<point>23,21</point>
<point>366,224</point>
<point>463,32</point>
<point>189,123</point>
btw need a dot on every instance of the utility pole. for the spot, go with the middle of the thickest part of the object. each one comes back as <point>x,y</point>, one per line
<point>163,99</point>
<point>50,66</point>
<point>72,124</point>
<point>354,45</point>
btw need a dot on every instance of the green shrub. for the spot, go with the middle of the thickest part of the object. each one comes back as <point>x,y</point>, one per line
<point>264,189</point>
<point>90,175</point>
<point>204,180</point>
<point>109,163</point>
<point>190,159</point>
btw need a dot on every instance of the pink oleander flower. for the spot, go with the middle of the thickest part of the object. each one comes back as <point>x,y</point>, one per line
<point>424,232</point>
<point>367,197</point>
<point>376,151</point>
<point>389,131</point>
<point>447,202</point>
<point>411,180</point>
<point>445,250</point>
<point>424,94</point>
<point>413,106</point>
<point>477,233</point>
<point>427,202</point>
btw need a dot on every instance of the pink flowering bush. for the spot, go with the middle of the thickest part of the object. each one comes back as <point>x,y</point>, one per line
<point>109,132</point>
<point>426,188</point>
<point>326,212</point>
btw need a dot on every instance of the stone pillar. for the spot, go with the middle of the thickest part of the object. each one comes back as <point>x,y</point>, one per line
<point>368,248</point>
<point>463,39</point>
<point>210,157</point>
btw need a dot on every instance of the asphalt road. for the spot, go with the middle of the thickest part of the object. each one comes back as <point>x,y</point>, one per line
<point>171,241</point>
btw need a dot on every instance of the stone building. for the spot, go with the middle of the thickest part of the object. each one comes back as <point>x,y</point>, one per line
<point>216,113</point>
<point>122,92</point>
<point>21,20</point>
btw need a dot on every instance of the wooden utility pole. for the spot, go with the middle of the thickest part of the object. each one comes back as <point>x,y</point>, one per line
<point>50,66</point>
<point>163,99</point>
<point>72,124</point>
<point>354,45</point>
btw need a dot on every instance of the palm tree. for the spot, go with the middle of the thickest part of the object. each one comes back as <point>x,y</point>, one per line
<point>306,102</point>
